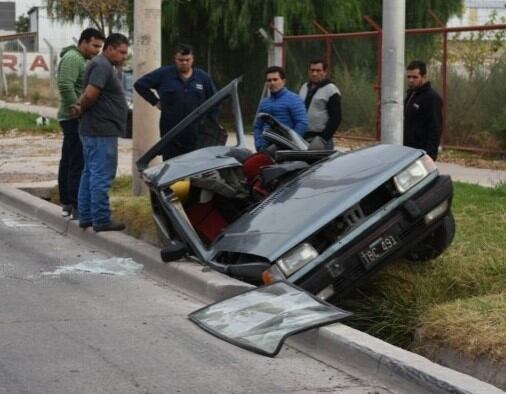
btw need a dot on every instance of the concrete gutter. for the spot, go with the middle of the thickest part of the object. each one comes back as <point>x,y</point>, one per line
<point>337,345</point>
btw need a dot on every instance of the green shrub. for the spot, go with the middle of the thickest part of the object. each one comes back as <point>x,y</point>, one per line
<point>358,100</point>
<point>499,127</point>
<point>35,97</point>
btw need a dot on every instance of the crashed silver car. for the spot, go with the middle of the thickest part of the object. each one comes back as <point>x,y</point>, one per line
<point>322,220</point>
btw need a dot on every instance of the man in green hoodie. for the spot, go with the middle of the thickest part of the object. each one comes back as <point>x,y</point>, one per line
<point>70,85</point>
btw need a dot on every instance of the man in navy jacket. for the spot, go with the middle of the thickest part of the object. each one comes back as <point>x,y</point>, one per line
<point>180,89</point>
<point>283,104</point>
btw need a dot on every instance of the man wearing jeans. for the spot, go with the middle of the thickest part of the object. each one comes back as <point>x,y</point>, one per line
<point>103,110</point>
<point>70,85</point>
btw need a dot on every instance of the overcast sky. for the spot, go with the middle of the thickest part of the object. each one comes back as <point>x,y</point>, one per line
<point>22,6</point>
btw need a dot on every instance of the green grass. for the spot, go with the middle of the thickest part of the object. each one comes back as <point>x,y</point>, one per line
<point>135,212</point>
<point>24,121</point>
<point>475,326</point>
<point>400,299</point>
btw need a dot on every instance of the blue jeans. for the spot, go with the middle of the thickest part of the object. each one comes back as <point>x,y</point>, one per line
<point>100,164</point>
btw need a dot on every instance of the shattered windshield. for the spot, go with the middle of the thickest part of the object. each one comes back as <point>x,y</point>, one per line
<point>261,319</point>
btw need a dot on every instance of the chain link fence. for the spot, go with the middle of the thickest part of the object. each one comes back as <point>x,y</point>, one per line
<point>467,66</point>
<point>28,75</point>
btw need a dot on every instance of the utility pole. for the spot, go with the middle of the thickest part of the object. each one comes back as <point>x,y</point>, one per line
<point>279,30</point>
<point>392,89</point>
<point>24,69</point>
<point>2,90</point>
<point>146,57</point>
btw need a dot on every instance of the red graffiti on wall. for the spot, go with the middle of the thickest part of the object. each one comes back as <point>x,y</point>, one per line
<point>39,62</point>
<point>10,61</point>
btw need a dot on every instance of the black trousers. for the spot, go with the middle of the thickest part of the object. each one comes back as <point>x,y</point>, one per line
<point>71,162</point>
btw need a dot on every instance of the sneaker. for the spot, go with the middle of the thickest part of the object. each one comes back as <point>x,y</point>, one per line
<point>111,226</point>
<point>66,209</point>
<point>85,225</point>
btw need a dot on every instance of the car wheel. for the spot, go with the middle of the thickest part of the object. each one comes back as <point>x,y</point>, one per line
<point>436,242</point>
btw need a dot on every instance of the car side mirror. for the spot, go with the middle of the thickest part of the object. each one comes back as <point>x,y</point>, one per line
<point>174,251</point>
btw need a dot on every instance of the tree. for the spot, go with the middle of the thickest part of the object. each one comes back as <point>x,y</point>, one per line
<point>22,24</point>
<point>224,32</point>
<point>107,16</point>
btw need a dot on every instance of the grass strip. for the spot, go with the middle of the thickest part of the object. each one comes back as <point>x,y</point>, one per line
<point>473,326</point>
<point>396,302</point>
<point>24,121</point>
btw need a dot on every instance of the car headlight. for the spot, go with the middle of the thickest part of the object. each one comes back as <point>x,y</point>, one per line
<point>414,173</point>
<point>296,258</point>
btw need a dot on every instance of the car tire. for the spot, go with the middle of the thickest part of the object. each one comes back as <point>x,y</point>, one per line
<point>436,242</point>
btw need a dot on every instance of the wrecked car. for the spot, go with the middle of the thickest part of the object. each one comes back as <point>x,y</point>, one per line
<point>322,220</point>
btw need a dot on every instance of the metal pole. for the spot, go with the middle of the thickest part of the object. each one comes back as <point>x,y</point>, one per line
<point>328,45</point>
<point>2,69</point>
<point>24,69</point>
<point>270,62</point>
<point>379,72</point>
<point>394,16</point>
<point>279,29</point>
<point>52,71</point>
<point>444,71</point>
<point>146,57</point>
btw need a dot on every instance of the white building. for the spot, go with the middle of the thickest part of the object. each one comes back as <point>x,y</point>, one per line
<point>7,17</point>
<point>57,33</point>
<point>478,12</point>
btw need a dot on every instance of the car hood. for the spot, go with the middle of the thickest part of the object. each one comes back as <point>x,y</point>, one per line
<point>198,161</point>
<point>310,201</point>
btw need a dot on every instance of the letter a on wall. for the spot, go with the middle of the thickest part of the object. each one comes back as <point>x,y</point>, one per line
<point>39,62</point>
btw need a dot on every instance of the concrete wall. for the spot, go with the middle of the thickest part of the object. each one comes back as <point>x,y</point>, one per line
<point>38,64</point>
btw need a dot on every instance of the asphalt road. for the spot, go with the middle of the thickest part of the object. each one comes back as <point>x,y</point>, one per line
<point>77,332</point>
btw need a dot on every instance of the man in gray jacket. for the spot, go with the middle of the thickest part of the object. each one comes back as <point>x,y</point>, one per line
<point>322,99</point>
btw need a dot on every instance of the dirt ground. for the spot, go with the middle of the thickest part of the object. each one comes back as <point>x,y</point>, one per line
<point>27,158</point>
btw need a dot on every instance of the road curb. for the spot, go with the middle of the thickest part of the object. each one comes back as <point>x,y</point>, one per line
<point>336,345</point>
<point>204,282</point>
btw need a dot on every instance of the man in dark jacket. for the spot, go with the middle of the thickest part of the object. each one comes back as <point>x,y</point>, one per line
<point>180,88</point>
<point>322,99</point>
<point>423,117</point>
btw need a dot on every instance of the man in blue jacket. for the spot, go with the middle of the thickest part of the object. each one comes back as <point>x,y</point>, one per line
<point>180,89</point>
<point>283,104</point>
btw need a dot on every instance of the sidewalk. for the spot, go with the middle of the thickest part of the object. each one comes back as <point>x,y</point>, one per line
<point>34,159</point>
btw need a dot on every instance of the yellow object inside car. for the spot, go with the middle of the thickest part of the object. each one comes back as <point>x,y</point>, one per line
<point>181,189</point>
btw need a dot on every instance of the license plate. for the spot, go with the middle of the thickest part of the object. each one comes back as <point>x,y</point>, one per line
<point>376,250</point>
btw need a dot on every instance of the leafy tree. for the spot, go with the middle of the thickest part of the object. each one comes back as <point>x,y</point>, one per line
<point>224,32</point>
<point>107,15</point>
<point>22,24</point>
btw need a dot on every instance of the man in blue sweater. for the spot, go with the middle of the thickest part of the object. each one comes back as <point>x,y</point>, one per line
<point>180,88</point>
<point>283,104</point>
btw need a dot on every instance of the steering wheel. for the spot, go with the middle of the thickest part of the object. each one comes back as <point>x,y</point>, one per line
<point>280,135</point>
